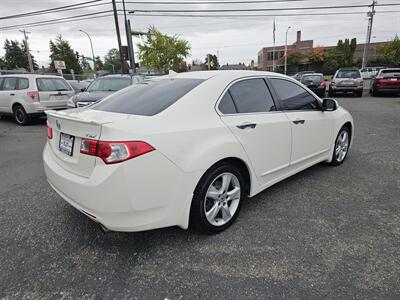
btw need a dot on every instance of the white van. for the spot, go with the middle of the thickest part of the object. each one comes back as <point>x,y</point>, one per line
<point>28,95</point>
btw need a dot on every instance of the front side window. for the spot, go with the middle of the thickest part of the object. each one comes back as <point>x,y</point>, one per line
<point>52,85</point>
<point>23,83</point>
<point>9,83</point>
<point>148,98</point>
<point>109,84</point>
<point>294,97</point>
<point>252,95</point>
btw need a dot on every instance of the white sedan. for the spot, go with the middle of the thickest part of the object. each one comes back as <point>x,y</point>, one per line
<point>187,149</point>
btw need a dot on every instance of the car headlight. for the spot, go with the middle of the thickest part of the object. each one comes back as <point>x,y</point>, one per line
<point>71,103</point>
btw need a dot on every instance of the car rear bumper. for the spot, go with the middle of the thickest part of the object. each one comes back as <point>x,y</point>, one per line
<point>38,107</point>
<point>143,193</point>
<point>347,88</point>
<point>388,90</point>
<point>320,91</point>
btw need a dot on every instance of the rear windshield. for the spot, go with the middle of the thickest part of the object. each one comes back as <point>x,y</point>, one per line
<point>52,84</point>
<point>391,73</point>
<point>348,74</point>
<point>312,78</point>
<point>149,97</point>
<point>109,84</point>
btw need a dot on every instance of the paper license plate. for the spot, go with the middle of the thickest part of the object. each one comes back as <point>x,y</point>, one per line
<point>66,143</point>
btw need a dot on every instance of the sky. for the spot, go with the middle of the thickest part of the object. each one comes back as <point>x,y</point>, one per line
<point>233,39</point>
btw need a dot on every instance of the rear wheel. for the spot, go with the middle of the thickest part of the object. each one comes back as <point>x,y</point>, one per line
<point>374,93</point>
<point>341,149</point>
<point>217,199</point>
<point>20,115</point>
<point>359,93</point>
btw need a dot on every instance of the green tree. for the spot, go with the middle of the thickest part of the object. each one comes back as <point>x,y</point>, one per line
<point>214,64</point>
<point>317,56</point>
<point>98,63</point>
<point>294,57</point>
<point>334,59</point>
<point>2,63</point>
<point>347,48</point>
<point>16,56</point>
<point>60,49</point>
<point>389,52</point>
<point>162,52</point>
<point>112,62</point>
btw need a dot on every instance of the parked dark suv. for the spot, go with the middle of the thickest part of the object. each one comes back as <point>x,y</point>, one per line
<point>315,82</point>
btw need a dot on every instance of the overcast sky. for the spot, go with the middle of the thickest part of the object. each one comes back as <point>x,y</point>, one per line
<point>233,39</point>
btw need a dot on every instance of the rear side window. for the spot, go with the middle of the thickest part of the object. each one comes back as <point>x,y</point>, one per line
<point>294,97</point>
<point>226,105</point>
<point>52,85</point>
<point>23,83</point>
<point>10,83</point>
<point>252,95</point>
<point>149,97</point>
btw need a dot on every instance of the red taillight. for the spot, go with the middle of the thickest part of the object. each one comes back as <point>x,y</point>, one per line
<point>49,131</point>
<point>33,95</point>
<point>322,84</point>
<point>333,83</point>
<point>114,152</point>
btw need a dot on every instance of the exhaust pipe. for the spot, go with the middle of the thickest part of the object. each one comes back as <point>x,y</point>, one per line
<point>103,228</point>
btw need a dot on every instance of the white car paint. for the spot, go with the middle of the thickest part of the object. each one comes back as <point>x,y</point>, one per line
<point>155,190</point>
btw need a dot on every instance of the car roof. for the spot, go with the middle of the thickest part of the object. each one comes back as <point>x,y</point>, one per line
<point>311,74</point>
<point>27,75</point>
<point>228,74</point>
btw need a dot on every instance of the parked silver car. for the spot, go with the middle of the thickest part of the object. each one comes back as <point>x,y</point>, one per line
<point>347,80</point>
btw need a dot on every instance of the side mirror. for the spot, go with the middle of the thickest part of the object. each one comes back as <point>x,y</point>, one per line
<point>83,89</point>
<point>329,105</point>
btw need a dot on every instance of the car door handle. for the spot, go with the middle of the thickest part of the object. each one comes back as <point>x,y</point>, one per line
<point>247,125</point>
<point>12,94</point>
<point>298,121</point>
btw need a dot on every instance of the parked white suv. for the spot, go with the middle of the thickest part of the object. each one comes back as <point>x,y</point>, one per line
<point>28,95</point>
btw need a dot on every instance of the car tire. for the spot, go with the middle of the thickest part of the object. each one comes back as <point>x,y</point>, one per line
<point>20,115</point>
<point>212,203</point>
<point>341,146</point>
<point>359,93</point>
<point>331,93</point>
<point>374,93</point>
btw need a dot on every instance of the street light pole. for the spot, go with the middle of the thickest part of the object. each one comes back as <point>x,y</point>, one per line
<point>91,45</point>
<point>287,30</point>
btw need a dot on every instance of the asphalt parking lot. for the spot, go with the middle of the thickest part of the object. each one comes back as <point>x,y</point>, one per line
<point>328,232</point>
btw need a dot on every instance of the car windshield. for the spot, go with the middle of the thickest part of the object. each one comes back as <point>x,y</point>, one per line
<point>312,78</point>
<point>391,73</point>
<point>149,97</point>
<point>109,84</point>
<point>348,74</point>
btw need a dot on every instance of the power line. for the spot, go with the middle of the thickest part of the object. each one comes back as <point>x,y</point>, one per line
<point>54,9</point>
<point>213,2</point>
<point>253,9</point>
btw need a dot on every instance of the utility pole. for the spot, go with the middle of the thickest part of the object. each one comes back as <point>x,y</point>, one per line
<point>273,49</point>
<point>370,15</point>
<point>128,32</point>
<point>208,62</point>
<point>121,56</point>
<point>27,50</point>
<point>287,30</point>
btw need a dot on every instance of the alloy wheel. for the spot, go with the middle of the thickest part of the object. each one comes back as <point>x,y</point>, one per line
<point>19,115</point>
<point>342,146</point>
<point>222,199</point>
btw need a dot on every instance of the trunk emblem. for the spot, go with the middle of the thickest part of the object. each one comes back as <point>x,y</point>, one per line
<point>58,125</point>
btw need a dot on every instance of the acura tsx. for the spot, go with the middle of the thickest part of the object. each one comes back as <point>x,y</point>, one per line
<point>186,149</point>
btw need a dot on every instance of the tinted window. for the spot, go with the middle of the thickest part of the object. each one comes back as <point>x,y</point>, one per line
<point>252,95</point>
<point>1,82</point>
<point>391,73</point>
<point>312,78</point>
<point>294,97</point>
<point>109,84</point>
<point>149,97</point>
<point>52,84</point>
<point>226,106</point>
<point>348,74</point>
<point>23,83</point>
<point>9,83</point>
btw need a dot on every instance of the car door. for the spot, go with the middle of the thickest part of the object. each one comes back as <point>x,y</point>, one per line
<point>312,129</point>
<point>250,112</point>
<point>7,93</point>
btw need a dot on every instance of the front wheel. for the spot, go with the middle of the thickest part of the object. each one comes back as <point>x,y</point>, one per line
<point>342,143</point>
<point>217,199</point>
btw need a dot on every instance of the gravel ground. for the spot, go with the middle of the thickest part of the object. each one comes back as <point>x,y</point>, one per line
<point>328,232</point>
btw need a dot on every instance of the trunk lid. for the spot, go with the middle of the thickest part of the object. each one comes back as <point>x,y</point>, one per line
<point>53,92</point>
<point>69,128</point>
